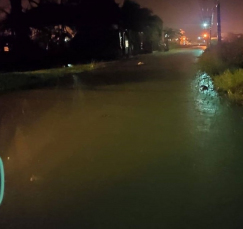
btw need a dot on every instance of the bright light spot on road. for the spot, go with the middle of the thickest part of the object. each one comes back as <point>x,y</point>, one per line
<point>207,102</point>
<point>207,97</point>
<point>1,181</point>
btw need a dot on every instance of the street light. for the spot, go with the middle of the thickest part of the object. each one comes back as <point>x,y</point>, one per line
<point>205,25</point>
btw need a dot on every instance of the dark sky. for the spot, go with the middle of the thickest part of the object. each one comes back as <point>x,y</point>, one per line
<point>186,14</point>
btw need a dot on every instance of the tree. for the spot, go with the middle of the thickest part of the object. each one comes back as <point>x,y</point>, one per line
<point>173,33</point>
<point>154,31</point>
<point>16,23</point>
<point>141,20</point>
<point>134,17</point>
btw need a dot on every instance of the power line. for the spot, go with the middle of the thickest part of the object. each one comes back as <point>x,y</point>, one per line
<point>206,9</point>
<point>200,10</point>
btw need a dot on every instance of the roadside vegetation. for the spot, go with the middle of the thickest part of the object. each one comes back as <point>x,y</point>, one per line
<point>224,63</point>
<point>49,32</point>
<point>17,80</point>
<point>44,34</point>
<point>232,83</point>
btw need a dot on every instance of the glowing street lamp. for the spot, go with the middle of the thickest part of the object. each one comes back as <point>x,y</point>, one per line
<point>205,25</point>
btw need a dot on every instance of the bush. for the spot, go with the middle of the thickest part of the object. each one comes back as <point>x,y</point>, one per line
<point>229,80</point>
<point>211,63</point>
<point>232,83</point>
<point>174,45</point>
<point>217,59</point>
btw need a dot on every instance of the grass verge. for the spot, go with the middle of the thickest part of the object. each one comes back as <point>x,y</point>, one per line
<point>212,62</point>
<point>231,82</point>
<point>17,80</point>
<point>224,63</point>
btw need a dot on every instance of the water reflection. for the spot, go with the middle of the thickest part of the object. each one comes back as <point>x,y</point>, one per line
<point>207,101</point>
<point>92,158</point>
<point>32,121</point>
<point>21,110</point>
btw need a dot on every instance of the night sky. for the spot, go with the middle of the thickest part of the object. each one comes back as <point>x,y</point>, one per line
<point>186,14</point>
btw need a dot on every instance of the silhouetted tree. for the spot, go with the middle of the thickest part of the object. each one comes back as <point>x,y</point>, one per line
<point>18,24</point>
<point>99,25</point>
<point>172,33</point>
<point>142,21</point>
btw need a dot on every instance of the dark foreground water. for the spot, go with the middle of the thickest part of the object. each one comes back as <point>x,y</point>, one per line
<point>123,147</point>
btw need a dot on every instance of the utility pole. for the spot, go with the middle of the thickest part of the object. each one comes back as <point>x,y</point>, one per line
<point>207,12</point>
<point>210,29</point>
<point>219,22</point>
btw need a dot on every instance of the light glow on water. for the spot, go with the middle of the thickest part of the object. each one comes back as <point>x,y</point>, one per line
<point>207,102</point>
<point>207,99</point>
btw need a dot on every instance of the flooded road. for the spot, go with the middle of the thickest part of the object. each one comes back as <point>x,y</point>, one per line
<point>123,147</point>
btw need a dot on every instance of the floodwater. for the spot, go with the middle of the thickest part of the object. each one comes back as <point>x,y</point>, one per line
<point>123,147</point>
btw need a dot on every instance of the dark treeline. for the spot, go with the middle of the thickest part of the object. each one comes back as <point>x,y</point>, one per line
<point>57,32</point>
